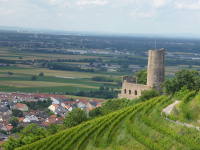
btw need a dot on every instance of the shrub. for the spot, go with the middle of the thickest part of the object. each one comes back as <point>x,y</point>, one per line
<point>34,78</point>
<point>17,113</point>
<point>41,74</point>
<point>148,94</point>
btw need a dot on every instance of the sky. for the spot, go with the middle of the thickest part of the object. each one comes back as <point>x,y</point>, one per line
<point>112,16</point>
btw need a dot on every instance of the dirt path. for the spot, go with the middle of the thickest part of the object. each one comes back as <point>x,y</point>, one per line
<point>167,110</point>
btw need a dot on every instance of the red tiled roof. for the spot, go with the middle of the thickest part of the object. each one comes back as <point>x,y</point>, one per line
<point>20,105</point>
<point>9,127</point>
<point>53,116</point>
<point>51,120</point>
<point>21,119</point>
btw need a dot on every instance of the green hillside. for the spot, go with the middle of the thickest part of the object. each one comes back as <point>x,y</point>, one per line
<point>188,110</point>
<point>138,127</point>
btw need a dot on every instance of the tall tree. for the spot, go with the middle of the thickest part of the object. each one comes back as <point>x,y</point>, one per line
<point>188,79</point>
<point>75,117</point>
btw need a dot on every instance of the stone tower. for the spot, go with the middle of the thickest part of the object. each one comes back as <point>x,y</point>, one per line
<point>155,77</point>
<point>156,68</point>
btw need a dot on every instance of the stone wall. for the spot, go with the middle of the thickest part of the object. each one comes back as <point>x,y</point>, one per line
<point>132,90</point>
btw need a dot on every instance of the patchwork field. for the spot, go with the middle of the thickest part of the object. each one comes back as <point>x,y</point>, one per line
<point>12,54</point>
<point>20,79</point>
<point>20,74</point>
<point>47,72</point>
<point>40,84</point>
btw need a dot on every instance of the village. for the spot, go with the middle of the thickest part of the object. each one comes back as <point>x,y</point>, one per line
<point>22,109</point>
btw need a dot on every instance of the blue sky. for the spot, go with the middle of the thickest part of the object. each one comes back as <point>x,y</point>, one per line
<point>115,16</point>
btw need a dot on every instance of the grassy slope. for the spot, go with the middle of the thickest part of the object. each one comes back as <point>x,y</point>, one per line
<point>188,110</point>
<point>138,127</point>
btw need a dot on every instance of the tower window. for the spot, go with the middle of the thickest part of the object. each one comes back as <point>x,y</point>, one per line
<point>124,91</point>
<point>136,92</point>
<point>129,91</point>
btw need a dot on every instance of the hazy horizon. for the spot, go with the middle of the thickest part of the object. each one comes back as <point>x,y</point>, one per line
<point>162,17</point>
<point>98,33</point>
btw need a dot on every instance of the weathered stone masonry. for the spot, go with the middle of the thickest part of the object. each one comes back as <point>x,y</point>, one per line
<point>155,76</point>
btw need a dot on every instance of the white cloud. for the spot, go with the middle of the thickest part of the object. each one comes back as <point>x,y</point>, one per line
<point>53,2</point>
<point>142,14</point>
<point>59,3</point>
<point>190,5</point>
<point>92,2</point>
<point>6,12</point>
<point>159,3</point>
<point>115,14</point>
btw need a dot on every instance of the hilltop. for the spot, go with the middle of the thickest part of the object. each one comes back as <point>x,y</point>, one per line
<point>140,126</point>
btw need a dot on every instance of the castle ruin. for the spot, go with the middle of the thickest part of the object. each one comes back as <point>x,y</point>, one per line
<point>155,76</point>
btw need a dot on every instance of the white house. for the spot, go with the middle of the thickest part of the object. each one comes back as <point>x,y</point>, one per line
<point>30,118</point>
<point>55,101</point>
<point>81,105</point>
<point>53,107</point>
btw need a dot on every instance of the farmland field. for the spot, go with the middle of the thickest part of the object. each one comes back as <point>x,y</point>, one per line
<point>40,84</point>
<point>51,80</point>
<point>12,54</point>
<point>61,74</point>
<point>18,77</point>
<point>63,66</point>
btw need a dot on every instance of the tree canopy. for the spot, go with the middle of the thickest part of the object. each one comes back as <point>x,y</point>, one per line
<point>75,117</point>
<point>188,79</point>
<point>141,77</point>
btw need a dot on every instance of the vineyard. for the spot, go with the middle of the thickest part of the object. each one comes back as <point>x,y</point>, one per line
<point>137,127</point>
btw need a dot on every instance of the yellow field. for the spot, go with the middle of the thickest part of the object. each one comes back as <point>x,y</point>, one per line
<point>40,84</point>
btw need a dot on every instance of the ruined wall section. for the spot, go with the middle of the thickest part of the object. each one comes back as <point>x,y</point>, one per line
<point>132,90</point>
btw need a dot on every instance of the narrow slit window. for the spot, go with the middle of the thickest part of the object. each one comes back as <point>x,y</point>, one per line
<point>129,91</point>
<point>136,92</point>
<point>124,91</point>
